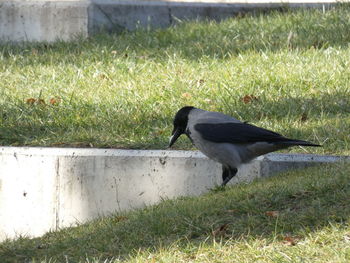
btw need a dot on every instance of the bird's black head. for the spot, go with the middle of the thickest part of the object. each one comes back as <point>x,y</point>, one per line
<point>180,123</point>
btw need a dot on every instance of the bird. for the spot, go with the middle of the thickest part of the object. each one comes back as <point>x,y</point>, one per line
<point>227,140</point>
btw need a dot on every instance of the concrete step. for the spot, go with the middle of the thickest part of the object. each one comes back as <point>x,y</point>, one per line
<point>49,20</point>
<point>44,189</point>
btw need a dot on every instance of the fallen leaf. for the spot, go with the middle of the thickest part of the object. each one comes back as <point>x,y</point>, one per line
<point>249,99</point>
<point>220,230</point>
<point>55,101</point>
<point>30,101</point>
<point>186,95</point>
<point>272,213</point>
<point>290,241</point>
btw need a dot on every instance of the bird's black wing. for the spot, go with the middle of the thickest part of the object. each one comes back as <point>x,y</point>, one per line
<point>237,133</point>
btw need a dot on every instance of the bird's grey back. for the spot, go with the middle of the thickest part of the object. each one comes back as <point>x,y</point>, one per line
<point>223,153</point>
<point>202,116</point>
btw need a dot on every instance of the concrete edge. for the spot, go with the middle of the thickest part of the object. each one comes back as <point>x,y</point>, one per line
<point>66,20</point>
<point>70,151</point>
<point>57,151</point>
<point>43,189</point>
<point>311,158</point>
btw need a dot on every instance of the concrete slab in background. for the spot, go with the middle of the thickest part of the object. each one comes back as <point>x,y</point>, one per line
<point>50,20</point>
<point>43,20</point>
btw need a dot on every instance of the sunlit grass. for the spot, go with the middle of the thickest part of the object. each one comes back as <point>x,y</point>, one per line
<point>123,90</point>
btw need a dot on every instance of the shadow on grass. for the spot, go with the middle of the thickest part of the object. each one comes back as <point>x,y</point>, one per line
<point>306,202</point>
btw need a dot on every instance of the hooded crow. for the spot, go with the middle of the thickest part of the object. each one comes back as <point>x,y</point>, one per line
<point>227,140</point>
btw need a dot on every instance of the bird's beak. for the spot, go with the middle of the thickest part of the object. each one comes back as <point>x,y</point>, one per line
<point>175,134</point>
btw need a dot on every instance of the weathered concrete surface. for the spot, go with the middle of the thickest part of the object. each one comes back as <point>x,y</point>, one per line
<point>50,20</point>
<point>119,15</point>
<point>44,189</point>
<point>96,185</point>
<point>43,20</point>
<point>276,163</point>
<point>28,194</point>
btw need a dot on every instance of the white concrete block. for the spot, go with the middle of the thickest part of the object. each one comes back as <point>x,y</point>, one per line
<point>43,20</point>
<point>276,163</point>
<point>92,186</point>
<point>44,189</point>
<point>28,195</point>
<point>49,20</point>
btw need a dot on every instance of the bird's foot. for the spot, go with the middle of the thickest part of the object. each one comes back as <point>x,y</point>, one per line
<point>228,174</point>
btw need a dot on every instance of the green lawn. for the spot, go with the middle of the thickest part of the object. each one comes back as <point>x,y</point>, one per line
<point>122,90</point>
<point>300,216</point>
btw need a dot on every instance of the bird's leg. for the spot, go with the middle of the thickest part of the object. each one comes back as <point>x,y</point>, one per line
<point>227,174</point>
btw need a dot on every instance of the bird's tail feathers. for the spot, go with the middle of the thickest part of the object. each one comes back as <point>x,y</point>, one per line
<point>301,143</point>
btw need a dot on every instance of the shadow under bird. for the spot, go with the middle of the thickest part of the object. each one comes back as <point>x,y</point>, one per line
<point>227,140</point>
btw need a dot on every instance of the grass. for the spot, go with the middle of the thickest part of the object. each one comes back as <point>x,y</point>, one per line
<point>299,216</point>
<point>286,71</point>
<point>122,91</point>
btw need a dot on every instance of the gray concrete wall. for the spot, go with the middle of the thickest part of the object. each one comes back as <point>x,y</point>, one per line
<point>49,20</point>
<point>44,189</point>
<point>42,20</point>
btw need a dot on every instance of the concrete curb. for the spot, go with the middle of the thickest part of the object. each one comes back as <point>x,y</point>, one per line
<point>43,20</point>
<point>65,20</point>
<point>44,189</point>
